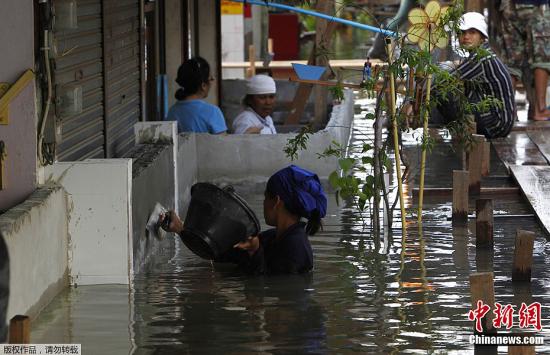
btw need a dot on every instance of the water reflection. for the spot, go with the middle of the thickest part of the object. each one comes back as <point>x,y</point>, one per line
<point>461,238</point>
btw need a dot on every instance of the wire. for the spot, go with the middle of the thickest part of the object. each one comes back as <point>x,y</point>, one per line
<point>45,50</point>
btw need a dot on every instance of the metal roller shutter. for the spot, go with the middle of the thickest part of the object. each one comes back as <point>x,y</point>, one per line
<point>122,74</point>
<point>78,67</point>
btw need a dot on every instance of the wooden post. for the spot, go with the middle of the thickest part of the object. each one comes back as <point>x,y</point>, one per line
<point>20,330</point>
<point>486,160</point>
<point>474,163</point>
<point>484,223</point>
<point>473,125</point>
<point>482,289</point>
<point>523,256</point>
<point>460,196</point>
<point>411,78</point>
<point>463,151</point>
<point>304,90</point>
<point>299,102</point>
<point>252,58</point>
<point>521,350</point>
<point>320,93</point>
<point>474,5</point>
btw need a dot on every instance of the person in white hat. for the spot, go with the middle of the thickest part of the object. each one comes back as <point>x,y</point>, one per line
<point>474,30</point>
<point>484,76</point>
<point>258,102</point>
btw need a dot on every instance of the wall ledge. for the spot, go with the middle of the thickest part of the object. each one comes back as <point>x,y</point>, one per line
<point>12,220</point>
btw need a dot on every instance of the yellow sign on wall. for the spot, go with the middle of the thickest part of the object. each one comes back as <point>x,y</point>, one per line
<point>231,8</point>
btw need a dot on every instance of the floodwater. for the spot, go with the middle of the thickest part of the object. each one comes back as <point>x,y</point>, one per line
<point>410,296</point>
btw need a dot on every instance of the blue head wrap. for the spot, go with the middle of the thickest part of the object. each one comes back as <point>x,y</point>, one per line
<point>300,190</point>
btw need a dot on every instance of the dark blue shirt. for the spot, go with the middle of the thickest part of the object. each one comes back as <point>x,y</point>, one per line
<point>291,253</point>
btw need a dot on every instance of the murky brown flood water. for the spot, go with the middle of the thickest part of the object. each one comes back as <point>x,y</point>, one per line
<point>410,297</point>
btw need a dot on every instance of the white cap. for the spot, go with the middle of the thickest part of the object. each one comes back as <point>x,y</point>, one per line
<point>260,84</point>
<point>474,20</point>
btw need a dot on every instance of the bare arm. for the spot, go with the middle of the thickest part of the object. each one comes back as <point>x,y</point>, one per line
<point>254,130</point>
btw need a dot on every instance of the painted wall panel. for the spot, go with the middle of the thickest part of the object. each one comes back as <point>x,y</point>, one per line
<point>19,136</point>
<point>100,196</point>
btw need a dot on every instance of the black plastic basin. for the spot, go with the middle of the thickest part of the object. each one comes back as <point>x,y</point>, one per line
<point>216,220</point>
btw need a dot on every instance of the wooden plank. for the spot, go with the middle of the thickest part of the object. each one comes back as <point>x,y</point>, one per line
<point>326,83</point>
<point>534,181</point>
<point>531,126</point>
<point>287,64</point>
<point>518,149</point>
<point>542,141</point>
<point>485,191</point>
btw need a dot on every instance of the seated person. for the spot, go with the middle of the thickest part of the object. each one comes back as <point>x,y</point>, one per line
<point>290,194</point>
<point>192,113</point>
<point>485,76</point>
<point>258,102</point>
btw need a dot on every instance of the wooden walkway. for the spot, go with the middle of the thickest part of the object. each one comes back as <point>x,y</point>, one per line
<point>526,154</point>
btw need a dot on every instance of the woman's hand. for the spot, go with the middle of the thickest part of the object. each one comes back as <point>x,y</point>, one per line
<point>175,225</point>
<point>251,245</point>
<point>254,130</point>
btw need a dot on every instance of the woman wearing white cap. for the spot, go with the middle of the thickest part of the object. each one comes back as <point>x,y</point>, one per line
<point>484,76</point>
<point>259,102</point>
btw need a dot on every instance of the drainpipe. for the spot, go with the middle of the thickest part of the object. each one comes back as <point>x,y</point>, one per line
<point>378,49</point>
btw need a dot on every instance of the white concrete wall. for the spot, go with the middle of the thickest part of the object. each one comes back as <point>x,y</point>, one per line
<point>36,233</point>
<point>100,226</point>
<point>154,180</point>
<point>232,158</point>
<point>161,132</point>
<point>188,168</point>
